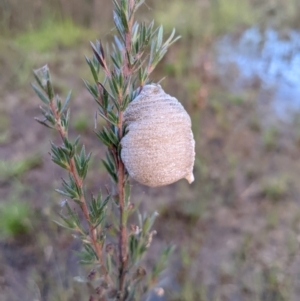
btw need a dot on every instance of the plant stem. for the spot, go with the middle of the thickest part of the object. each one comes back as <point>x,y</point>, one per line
<point>123,240</point>
<point>83,205</point>
<point>123,230</point>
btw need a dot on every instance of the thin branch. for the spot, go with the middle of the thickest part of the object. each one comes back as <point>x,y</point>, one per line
<point>123,238</point>
<point>83,205</point>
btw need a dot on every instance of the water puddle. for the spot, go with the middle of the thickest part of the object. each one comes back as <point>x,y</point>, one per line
<point>265,59</point>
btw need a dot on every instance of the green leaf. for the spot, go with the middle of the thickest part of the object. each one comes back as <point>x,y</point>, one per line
<point>40,94</point>
<point>71,190</point>
<point>38,80</point>
<point>63,226</point>
<point>77,165</point>
<point>133,247</point>
<point>67,100</point>
<point>110,171</point>
<point>104,139</point>
<point>87,255</point>
<point>119,44</point>
<point>43,122</point>
<point>119,26</point>
<point>113,85</point>
<point>109,263</point>
<point>112,136</point>
<point>105,96</point>
<point>116,6</point>
<point>99,56</point>
<point>123,18</point>
<point>167,42</point>
<point>50,89</point>
<point>64,193</point>
<point>92,68</point>
<point>162,262</point>
<point>159,37</point>
<point>110,119</point>
<point>98,209</point>
<point>127,192</point>
<point>65,119</point>
<point>117,63</point>
<point>93,90</point>
<point>58,103</point>
<point>61,164</point>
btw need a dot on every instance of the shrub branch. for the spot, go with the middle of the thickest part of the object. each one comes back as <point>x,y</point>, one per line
<point>117,250</point>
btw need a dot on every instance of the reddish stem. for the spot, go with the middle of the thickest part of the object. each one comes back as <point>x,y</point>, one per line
<point>123,239</point>
<point>83,205</point>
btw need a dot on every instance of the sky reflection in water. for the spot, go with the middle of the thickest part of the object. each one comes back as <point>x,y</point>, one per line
<point>269,57</point>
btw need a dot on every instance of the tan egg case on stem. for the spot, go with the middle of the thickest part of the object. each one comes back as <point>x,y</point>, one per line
<point>159,147</point>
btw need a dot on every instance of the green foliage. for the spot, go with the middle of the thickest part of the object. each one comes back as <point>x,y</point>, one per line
<point>14,218</point>
<point>52,34</point>
<point>9,169</point>
<point>231,13</point>
<point>275,188</point>
<point>213,18</point>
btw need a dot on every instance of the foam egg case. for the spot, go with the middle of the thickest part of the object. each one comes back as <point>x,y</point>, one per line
<point>159,147</point>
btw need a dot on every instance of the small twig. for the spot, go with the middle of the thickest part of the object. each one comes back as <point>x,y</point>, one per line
<point>123,239</point>
<point>83,205</point>
<point>135,54</point>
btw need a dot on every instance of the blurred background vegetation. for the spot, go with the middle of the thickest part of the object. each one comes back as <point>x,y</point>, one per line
<point>235,70</point>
